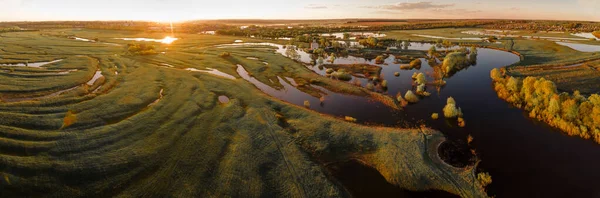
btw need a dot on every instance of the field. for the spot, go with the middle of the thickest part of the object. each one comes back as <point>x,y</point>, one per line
<point>152,126</point>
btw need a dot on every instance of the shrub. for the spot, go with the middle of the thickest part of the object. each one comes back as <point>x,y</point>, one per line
<point>329,71</point>
<point>484,179</point>
<point>496,74</point>
<point>405,67</point>
<point>597,34</point>
<point>384,83</point>
<point>455,61</point>
<point>411,97</point>
<point>141,49</point>
<point>350,119</point>
<point>307,104</point>
<point>414,76</point>
<point>379,60</point>
<point>397,74</point>
<point>421,79</point>
<point>461,122</point>
<point>370,86</point>
<point>432,51</point>
<point>450,110</point>
<point>225,54</point>
<point>69,119</point>
<point>469,139</point>
<point>342,75</point>
<point>416,63</point>
<point>435,116</point>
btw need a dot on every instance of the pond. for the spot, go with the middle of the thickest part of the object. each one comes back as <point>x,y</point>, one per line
<point>34,64</point>
<point>441,37</point>
<point>581,47</point>
<point>526,158</point>
<point>166,40</point>
<point>587,35</point>
<point>213,72</point>
<point>354,35</point>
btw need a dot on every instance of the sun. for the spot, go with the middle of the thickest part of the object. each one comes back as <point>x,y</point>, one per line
<point>168,40</point>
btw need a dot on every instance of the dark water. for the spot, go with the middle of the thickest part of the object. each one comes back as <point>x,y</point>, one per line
<point>364,181</point>
<point>526,158</point>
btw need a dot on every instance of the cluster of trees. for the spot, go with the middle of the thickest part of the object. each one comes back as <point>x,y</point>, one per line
<point>459,60</point>
<point>531,25</point>
<point>574,113</point>
<point>12,29</point>
<point>596,34</point>
<point>278,32</point>
<point>140,49</point>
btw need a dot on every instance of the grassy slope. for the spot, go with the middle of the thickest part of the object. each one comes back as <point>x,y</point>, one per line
<point>126,143</point>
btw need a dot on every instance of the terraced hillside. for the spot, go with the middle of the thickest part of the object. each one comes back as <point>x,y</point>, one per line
<point>96,122</point>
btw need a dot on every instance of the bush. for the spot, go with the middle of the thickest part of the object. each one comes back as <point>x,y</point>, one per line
<point>384,83</point>
<point>411,97</point>
<point>350,119</point>
<point>496,75</point>
<point>416,63</point>
<point>484,179</point>
<point>597,34</point>
<point>379,60</point>
<point>342,75</point>
<point>69,119</point>
<point>450,110</point>
<point>329,71</point>
<point>435,116</point>
<point>370,86</point>
<point>224,54</point>
<point>461,122</point>
<point>141,49</point>
<point>455,61</point>
<point>397,74</point>
<point>307,104</point>
<point>421,79</point>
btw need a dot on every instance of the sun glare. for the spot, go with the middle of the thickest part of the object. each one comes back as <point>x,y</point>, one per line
<point>168,40</point>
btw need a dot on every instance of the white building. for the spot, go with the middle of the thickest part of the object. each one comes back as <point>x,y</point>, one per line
<point>314,45</point>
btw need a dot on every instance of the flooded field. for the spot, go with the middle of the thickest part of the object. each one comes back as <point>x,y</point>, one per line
<point>509,144</point>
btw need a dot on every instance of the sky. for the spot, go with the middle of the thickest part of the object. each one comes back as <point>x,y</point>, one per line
<point>180,10</point>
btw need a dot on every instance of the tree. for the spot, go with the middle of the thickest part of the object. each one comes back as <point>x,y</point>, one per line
<point>570,109</point>
<point>432,51</point>
<point>411,97</point>
<point>421,79</point>
<point>484,179</point>
<point>416,63</point>
<point>450,110</point>
<point>379,60</point>
<point>496,75</point>
<point>69,119</point>
<point>332,57</point>
<point>346,35</point>
<point>291,52</point>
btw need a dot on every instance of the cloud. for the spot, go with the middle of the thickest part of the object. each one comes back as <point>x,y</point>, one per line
<point>411,6</point>
<point>460,12</point>
<point>315,6</point>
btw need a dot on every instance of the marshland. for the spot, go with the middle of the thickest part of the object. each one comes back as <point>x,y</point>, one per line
<point>300,108</point>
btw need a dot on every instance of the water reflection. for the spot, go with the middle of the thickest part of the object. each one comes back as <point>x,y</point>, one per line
<point>35,64</point>
<point>581,47</point>
<point>166,40</point>
<point>213,72</point>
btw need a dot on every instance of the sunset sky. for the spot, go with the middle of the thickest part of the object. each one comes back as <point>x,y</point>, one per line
<point>178,10</point>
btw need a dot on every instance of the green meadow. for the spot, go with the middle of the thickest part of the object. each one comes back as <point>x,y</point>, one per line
<point>150,127</point>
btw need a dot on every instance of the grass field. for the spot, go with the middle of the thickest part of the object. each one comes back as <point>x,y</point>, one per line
<point>151,128</point>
